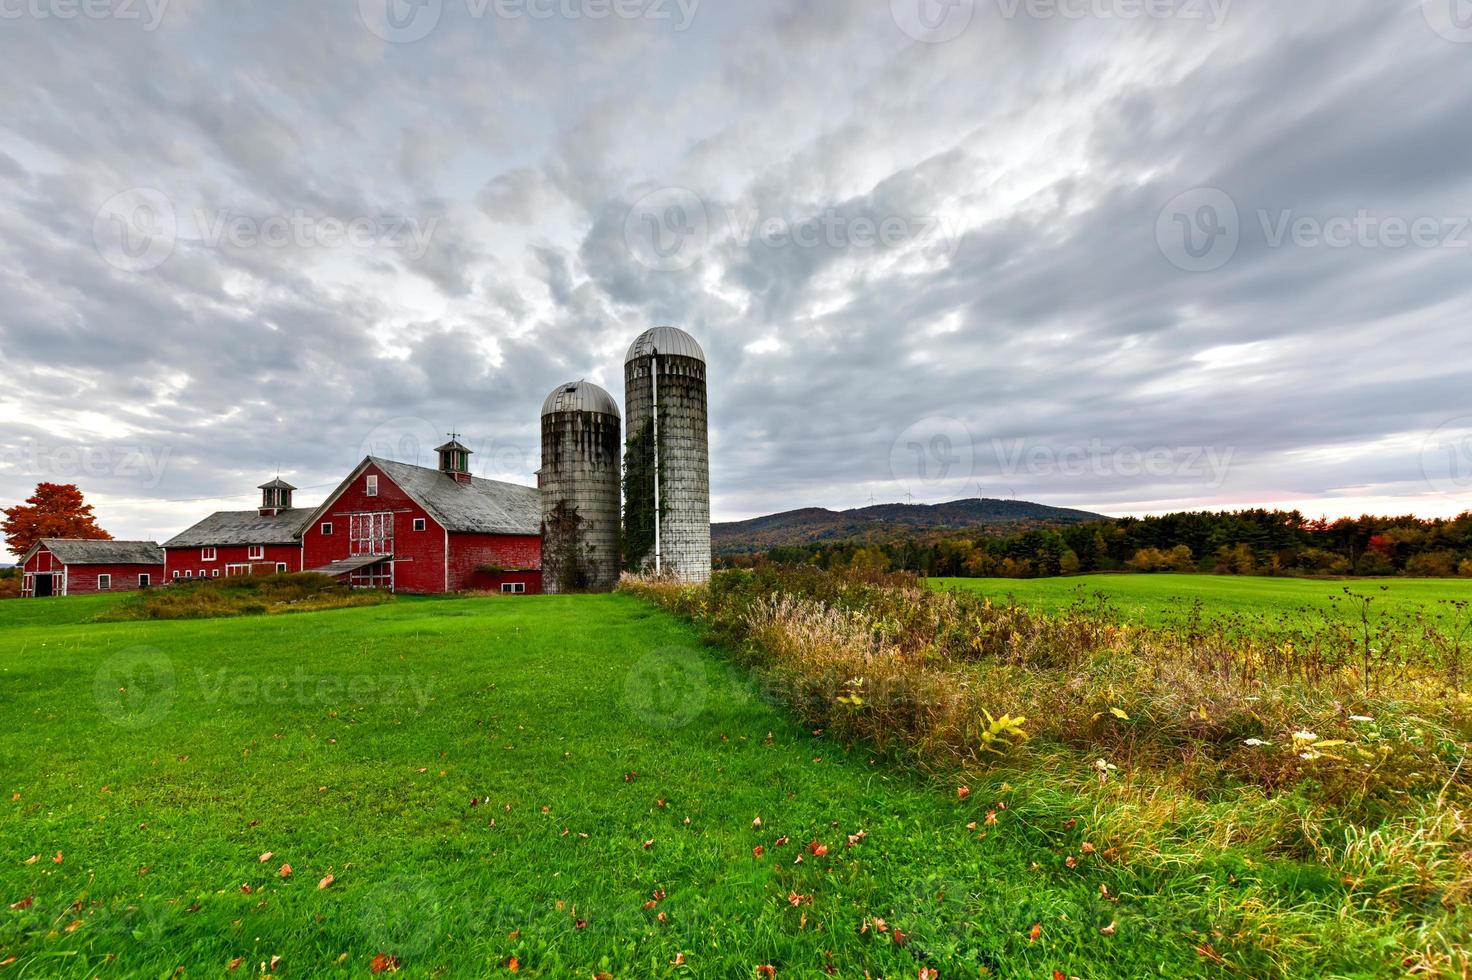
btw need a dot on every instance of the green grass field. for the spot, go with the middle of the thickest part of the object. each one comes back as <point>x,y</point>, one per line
<point>1163,599</point>
<point>465,772</point>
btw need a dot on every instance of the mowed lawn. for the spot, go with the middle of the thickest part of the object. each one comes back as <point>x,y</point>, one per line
<point>570,782</point>
<point>1164,599</point>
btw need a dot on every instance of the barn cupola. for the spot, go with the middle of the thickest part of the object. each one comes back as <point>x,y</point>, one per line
<point>275,497</point>
<point>455,460</point>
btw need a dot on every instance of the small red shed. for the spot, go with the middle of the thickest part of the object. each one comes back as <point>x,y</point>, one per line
<point>264,541</point>
<point>415,529</point>
<point>63,566</point>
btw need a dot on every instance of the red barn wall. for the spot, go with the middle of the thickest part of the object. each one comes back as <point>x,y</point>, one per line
<point>188,559</point>
<point>82,579</point>
<point>520,554</point>
<point>419,556</point>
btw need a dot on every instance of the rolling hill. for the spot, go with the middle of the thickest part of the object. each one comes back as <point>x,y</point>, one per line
<point>887,521</point>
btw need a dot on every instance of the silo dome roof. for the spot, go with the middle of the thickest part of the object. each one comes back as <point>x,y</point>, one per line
<point>666,340</point>
<point>580,396</point>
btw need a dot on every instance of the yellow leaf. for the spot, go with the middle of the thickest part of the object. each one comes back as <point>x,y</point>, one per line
<point>1119,713</point>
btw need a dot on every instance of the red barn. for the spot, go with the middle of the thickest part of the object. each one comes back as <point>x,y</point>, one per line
<point>59,566</point>
<point>415,529</point>
<point>263,541</point>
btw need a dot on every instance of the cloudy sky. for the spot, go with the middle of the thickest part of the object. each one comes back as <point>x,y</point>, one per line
<point>1124,255</point>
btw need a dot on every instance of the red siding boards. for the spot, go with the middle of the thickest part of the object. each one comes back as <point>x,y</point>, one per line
<point>420,557</point>
<point>514,558</point>
<point>83,579</point>
<point>190,562</point>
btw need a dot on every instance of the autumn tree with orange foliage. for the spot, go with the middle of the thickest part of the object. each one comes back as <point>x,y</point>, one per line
<point>55,510</point>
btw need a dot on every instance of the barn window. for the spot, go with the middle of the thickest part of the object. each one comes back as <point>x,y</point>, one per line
<point>326,528</point>
<point>419,524</point>
<point>513,588</point>
<point>206,554</point>
<point>188,573</point>
<point>176,573</point>
<point>214,573</point>
<point>144,580</point>
<point>372,485</point>
<point>104,582</point>
<point>281,568</point>
<point>256,552</point>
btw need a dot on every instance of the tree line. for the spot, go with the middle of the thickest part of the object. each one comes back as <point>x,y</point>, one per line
<point>1248,542</point>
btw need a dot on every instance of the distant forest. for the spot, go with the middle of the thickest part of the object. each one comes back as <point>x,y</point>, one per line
<point>1250,542</point>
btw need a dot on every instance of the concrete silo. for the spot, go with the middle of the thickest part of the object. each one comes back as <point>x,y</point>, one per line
<point>582,444</point>
<point>667,463</point>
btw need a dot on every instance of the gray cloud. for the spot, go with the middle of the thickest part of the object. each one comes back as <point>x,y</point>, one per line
<point>1030,300</point>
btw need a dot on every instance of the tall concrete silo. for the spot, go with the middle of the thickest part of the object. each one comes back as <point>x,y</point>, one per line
<point>582,444</point>
<point>667,463</point>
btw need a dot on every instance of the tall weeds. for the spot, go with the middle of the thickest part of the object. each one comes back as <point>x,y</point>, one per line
<point>1340,742</point>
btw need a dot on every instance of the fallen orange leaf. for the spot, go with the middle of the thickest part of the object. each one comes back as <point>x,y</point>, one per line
<point>325,882</point>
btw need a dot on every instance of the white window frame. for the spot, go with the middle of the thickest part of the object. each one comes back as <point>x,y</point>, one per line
<point>281,568</point>
<point>144,580</point>
<point>176,573</point>
<point>513,588</point>
<point>370,487</point>
<point>419,524</point>
<point>255,552</point>
<point>371,534</point>
<point>104,581</point>
<point>189,573</point>
<point>214,573</point>
<point>327,529</point>
<point>208,554</point>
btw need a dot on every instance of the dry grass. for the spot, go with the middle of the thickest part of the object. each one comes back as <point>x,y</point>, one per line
<point>243,596</point>
<point>1343,748</point>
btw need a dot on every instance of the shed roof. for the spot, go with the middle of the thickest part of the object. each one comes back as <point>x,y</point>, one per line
<point>72,551</point>
<point>479,506</point>
<point>237,527</point>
